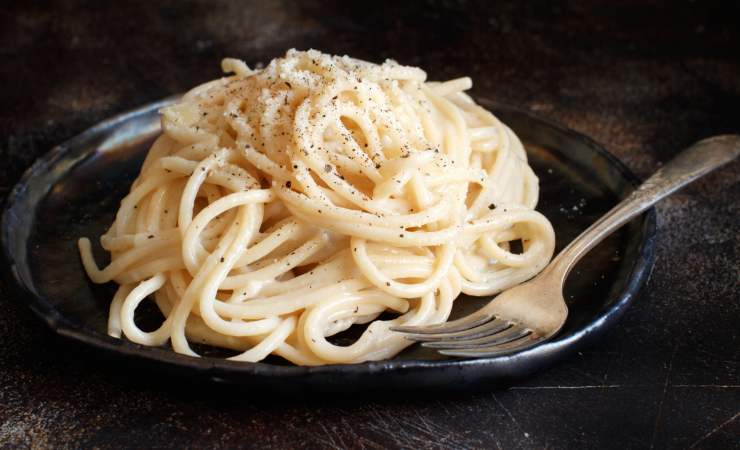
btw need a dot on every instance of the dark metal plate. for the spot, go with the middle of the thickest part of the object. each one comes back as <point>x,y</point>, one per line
<point>75,189</point>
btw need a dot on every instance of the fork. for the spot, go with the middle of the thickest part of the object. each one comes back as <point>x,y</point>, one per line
<point>533,312</point>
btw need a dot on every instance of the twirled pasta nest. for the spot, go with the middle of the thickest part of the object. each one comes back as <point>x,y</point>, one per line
<point>282,206</point>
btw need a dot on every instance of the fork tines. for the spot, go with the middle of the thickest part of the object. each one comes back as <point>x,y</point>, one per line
<point>476,335</point>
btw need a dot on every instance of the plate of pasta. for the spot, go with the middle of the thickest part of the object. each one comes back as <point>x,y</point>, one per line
<point>267,228</point>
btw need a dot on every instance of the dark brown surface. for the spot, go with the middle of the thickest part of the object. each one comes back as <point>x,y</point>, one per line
<point>642,78</point>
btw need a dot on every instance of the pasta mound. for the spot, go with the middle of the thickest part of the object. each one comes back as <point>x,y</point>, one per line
<point>282,206</point>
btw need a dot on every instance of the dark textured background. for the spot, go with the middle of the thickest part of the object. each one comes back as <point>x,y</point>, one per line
<point>643,78</point>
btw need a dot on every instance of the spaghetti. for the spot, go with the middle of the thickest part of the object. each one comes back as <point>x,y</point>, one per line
<point>282,206</point>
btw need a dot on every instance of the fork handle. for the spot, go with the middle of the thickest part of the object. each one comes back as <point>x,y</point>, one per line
<point>692,163</point>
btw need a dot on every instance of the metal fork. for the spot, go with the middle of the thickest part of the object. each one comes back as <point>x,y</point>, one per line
<point>533,312</point>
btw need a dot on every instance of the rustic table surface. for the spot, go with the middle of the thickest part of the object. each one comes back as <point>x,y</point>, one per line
<point>643,78</point>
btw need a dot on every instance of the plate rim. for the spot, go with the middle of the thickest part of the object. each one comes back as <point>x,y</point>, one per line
<point>551,350</point>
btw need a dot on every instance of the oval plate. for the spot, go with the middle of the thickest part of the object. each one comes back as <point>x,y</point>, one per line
<point>75,189</point>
